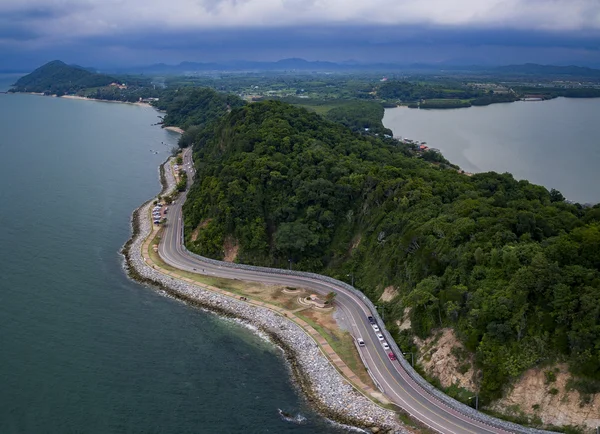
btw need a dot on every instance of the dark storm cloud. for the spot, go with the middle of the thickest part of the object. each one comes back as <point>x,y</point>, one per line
<point>95,31</point>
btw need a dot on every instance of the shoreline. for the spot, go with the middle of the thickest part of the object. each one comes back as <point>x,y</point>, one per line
<point>322,385</point>
<point>174,129</point>
<point>84,98</point>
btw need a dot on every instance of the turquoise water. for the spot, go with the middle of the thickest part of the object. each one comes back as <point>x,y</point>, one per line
<point>84,349</point>
<point>554,143</point>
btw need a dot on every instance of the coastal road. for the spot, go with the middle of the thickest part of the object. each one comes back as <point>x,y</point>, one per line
<point>394,381</point>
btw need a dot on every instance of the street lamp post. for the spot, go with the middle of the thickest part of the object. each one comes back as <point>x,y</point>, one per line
<point>290,263</point>
<point>476,401</point>
<point>382,312</point>
<point>352,277</point>
<point>412,358</point>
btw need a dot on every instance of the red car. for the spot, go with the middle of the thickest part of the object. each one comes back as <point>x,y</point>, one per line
<point>392,356</point>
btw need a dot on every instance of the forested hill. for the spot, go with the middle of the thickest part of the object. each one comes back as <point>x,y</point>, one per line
<point>193,106</point>
<point>512,267</point>
<point>56,77</point>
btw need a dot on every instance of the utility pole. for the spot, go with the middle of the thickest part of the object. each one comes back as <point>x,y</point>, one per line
<point>476,401</point>
<point>290,262</point>
<point>352,277</point>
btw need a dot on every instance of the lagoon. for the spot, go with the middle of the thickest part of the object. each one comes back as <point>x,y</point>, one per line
<point>554,143</point>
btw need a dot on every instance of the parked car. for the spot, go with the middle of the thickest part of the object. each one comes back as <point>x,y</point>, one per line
<point>375,327</point>
<point>360,342</point>
<point>380,336</point>
<point>392,356</point>
<point>371,319</point>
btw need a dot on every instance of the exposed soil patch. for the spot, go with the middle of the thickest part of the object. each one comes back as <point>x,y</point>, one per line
<point>443,356</point>
<point>389,294</point>
<point>356,242</point>
<point>405,323</point>
<point>231,248</point>
<point>543,393</point>
<point>202,225</point>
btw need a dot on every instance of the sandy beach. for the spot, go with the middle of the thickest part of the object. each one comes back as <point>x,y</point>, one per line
<point>174,129</point>
<point>141,104</point>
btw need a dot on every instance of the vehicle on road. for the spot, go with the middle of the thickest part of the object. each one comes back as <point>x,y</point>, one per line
<point>385,345</point>
<point>375,327</point>
<point>380,337</point>
<point>392,356</point>
<point>371,319</point>
<point>360,342</point>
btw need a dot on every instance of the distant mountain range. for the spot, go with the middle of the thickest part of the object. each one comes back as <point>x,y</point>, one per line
<point>302,65</point>
<point>56,76</point>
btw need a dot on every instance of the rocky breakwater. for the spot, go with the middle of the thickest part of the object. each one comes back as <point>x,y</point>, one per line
<point>325,388</point>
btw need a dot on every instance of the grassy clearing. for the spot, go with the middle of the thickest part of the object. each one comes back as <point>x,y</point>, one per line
<point>341,342</point>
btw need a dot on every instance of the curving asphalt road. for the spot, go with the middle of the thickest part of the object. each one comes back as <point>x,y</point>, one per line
<point>393,380</point>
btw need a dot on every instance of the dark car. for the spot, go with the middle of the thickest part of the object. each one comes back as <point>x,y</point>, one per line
<point>392,356</point>
<point>371,319</point>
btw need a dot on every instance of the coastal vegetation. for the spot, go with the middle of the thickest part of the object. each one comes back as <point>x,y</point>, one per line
<point>195,107</point>
<point>58,78</point>
<point>511,266</point>
<point>360,116</point>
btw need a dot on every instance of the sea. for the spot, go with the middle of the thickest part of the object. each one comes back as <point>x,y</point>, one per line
<point>83,349</point>
<point>553,143</point>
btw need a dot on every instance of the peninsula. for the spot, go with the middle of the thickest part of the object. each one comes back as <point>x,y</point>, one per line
<point>504,270</point>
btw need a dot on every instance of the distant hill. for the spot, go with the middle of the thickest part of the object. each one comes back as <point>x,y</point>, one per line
<point>548,70</point>
<point>57,77</point>
<point>302,65</point>
<point>293,64</point>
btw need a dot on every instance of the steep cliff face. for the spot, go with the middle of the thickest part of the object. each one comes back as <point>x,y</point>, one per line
<point>444,357</point>
<point>544,394</point>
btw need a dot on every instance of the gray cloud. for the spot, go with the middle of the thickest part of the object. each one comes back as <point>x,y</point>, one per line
<point>427,30</point>
<point>60,18</point>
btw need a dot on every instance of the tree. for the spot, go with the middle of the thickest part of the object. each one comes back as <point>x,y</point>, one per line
<point>330,297</point>
<point>556,196</point>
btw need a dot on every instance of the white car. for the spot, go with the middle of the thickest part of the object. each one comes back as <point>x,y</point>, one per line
<point>385,346</point>
<point>380,337</point>
<point>360,342</point>
<point>375,327</point>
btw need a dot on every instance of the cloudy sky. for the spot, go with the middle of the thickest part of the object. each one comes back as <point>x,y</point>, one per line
<point>129,32</point>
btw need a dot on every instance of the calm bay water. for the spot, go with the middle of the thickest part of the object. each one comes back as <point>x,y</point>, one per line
<point>82,348</point>
<point>554,143</point>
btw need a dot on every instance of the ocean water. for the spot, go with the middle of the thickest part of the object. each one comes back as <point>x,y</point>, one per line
<point>553,143</point>
<point>82,348</point>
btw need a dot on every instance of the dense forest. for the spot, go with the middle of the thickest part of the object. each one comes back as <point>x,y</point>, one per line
<point>58,78</point>
<point>193,106</point>
<point>409,91</point>
<point>440,96</point>
<point>511,266</point>
<point>360,116</point>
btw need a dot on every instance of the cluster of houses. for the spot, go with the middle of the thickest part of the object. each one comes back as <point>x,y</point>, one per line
<point>156,213</point>
<point>421,146</point>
